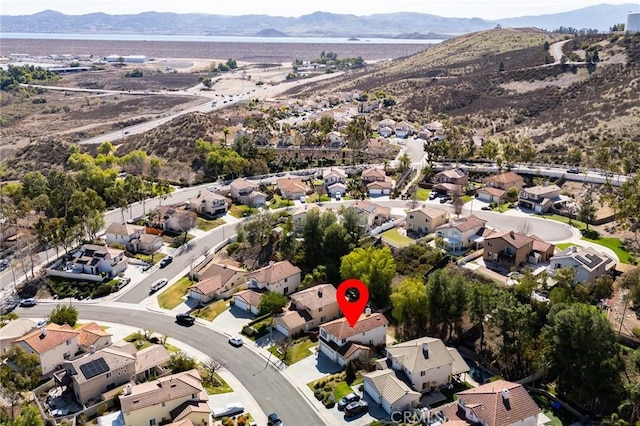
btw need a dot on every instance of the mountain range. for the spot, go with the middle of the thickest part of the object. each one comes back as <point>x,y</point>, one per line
<point>318,24</point>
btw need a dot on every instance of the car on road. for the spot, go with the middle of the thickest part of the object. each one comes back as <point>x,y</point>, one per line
<point>185,319</point>
<point>573,170</point>
<point>4,265</point>
<point>165,261</point>
<point>42,323</point>
<point>235,341</point>
<point>273,419</point>
<point>25,303</point>
<point>231,409</point>
<point>158,285</point>
<point>346,400</point>
<point>445,199</point>
<point>356,408</point>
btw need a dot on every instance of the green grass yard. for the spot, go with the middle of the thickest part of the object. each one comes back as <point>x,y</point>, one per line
<point>209,224</point>
<point>239,210</point>
<point>614,244</point>
<point>212,310</point>
<point>396,239</point>
<point>422,194</point>
<point>300,349</point>
<point>150,258</point>
<point>172,297</point>
<point>562,246</point>
<point>220,387</point>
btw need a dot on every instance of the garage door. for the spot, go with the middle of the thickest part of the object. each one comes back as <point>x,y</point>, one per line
<point>240,303</point>
<point>370,389</point>
<point>484,196</point>
<point>282,329</point>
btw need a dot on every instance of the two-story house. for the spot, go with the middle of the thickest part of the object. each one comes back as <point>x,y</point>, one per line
<point>308,309</point>
<point>246,192</point>
<point>278,277</point>
<point>170,217</point>
<point>122,233</point>
<point>171,398</point>
<point>496,187</point>
<point>588,264</point>
<point>216,281</point>
<point>539,198</point>
<point>377,181</point>
<point>385,127</point>
<point>372,214</point>
<point>424,220</point>
<point>425,363</point>
<point>53,344</point>
<point>292,188</point>
<point>342,343</point>
<point>453,176</point>
<point>335,139</point>
<point>90,262</point>
<point>335,181</point>
<point>373,174</point>
<point>209,203</point>
<point>14,330</point>
<point>462,233</point>
<point>498,403</point>
<point>403,130</point>
<point>512,249</point>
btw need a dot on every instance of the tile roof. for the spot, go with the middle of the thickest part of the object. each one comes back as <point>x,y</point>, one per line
<point>292,184</point>
<point>16,328</point>
<point>224,271</point>
<point>373,173</point>
<point>151,356</point>
<point>252,298</point>
<point>183,410</point>
<point>496,192</point>
<point>430,212</point>
<point>464,224</point>
<point>334,172</point>
<point>385,184</point>
<point>388,385</point>
<point>315,297</point>
<point>448,187</point>
<point>149,238</point>
<point>206,196</point>
<point>341,329</point>
<point>124,229</point>
<point>541,189</point>
<point>55,335</point>
<point>504,178</point>
<point>90,333</point>
<point>275,272</point>
<point>242,183</point>
<point>451,173</point>
<point>162,390</point>
<point>114,359</point>
<point>367,207</point>
<point>515,239</point>
<point>294,319</point>
<point>540,245</point>
<point>498,403</point>
<point>422,354</point>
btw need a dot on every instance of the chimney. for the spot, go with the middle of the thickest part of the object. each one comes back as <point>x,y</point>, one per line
<point>320,293</point>
<point>425,350</point>
<point>512,235</point>
<point>43,332</point>
<point>505,394</point>
<point>271,262</point>
<point>367,311</point>
<point>92,349</point>
<point>127,389</point>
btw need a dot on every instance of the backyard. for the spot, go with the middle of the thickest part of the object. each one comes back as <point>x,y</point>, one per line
<point>172,296</point>
<point>396,239</point>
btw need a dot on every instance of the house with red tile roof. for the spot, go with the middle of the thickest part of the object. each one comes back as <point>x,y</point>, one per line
<point>308,309</point>
<point>462,233</point>
<point>247,300</point>
<point>292,188</point>
<point>52,343</point>
<point>280,277</point>
<point>92,337</point>
<point>216,281</point>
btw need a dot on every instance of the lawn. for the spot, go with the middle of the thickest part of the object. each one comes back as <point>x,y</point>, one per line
<point>172,297</point>
<point>221,387</point>
<point>501,208</point>
<point>212,310</point>
<point>558,218</point>
<point>300,349</point>
<point>337,384</point>
<point>175,242</point>
<point>207,225</point>
<point>314,198</point>
<point>558,417</point>
<point>240,210</point>
<point>467,198</point>
<point>150,258</point>
<point>396,239</point>
<point>422,194</point>
<point>278,202</point>
<point>563,246</point>
<point>614,244</point>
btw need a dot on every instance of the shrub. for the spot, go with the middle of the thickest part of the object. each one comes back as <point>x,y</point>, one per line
<point>102,290</point>
<point>233,247</point>
<point>249,331</point>
<point>330,402</point>
<point>318,394</point>
<point>102,408</point>
<point>636,331</point>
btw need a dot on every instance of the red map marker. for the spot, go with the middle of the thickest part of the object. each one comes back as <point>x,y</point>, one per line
<point>352,309</point>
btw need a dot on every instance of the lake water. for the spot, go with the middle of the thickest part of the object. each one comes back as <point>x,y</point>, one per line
<point>211,39</point>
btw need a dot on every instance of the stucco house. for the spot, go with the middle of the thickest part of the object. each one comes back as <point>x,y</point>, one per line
<point>403,129</point>
<point>14,330</point>
<point>216,281</point>
<point>246,192</point>
<point>491,195</point>
<point>279,277</point>
<point>512,249</point>
<point>52,343</point>
<point>448,189</point>
<point>292,188</point>
<point>505,181</point>
<point>373,174</point>
<point>169,217</point>
<point>92,337</point>
<point>247,300</point>
<point>498,403</point>
<point>342,343</point>
<point>390,391</point>
<point>424,220</point>
<point>388,123</point>
<point>146,243</point>
<point>385,132</point>
<point>454,176</point>
<point>588,264</point>
<point>380,188</point>
<point>462,233</point>
<point>208,203</point>
<point>335,139</point>
<point>90,262</point>
<point>336,188</point>
<point>333,175</point>
<point>299,215</point>
<point>122,233</point>
<point>372,214</point>
<point>540,198</point>
<point>171,398</point>
<point>308,309</point>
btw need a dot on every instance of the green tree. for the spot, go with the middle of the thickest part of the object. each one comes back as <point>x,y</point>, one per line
<point>357,133</point>
<point>353,223</point>
<point>409,307</point>
<point>404,163</point>
<point>180,361</point>
<point>375,267</point>
<point>63,314</point>
<point>585,349</point>
<point>335,244</point>
<point>34,184</point>
<point>587,211</point>
<point>272,303</point>
<point>19,372</point>
<point>481,304</point>
<point>29,416</point>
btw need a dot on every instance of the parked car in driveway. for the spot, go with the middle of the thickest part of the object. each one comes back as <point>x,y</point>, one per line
<point>26,303</point>
<point>165,261</point>
<point>185,319</point>
<point>347,399</point>
<point>356,408</point>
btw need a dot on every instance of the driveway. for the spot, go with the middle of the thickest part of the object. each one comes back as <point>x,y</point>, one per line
<point>231,321</point>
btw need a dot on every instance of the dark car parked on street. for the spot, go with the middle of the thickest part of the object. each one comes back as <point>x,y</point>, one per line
<point>185,319</point>
<point>165,261</point>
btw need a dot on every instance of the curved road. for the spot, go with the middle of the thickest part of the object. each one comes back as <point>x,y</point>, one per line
<point>268,387</point>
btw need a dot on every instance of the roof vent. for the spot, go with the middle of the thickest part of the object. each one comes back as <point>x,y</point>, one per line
<point>320,293</point>
<point>92,349</point>
<point>367,311</point>
<point>512,234</point>
<point>425,350</point>
<point>127,389</point>
<point>43,331</point>
<point>505,394</point>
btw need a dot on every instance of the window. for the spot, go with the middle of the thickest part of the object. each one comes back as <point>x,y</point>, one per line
<point>108,375</point>
<point>164,403</point>
<point>286,290</point>
<point>323,319</point>
<point>422,373</point>
<point>286,280</point>
<point>323,333</point>
<point>68,342</point>
<point>320,309</point>
<point>152,422</point>
<point>489,244</point>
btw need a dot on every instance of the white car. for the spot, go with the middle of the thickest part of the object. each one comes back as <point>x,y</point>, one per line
<point>228,410</point>
<point>235,341</point>
<point>338,196</point>
<point>303,199</point>
<point>158,285</point>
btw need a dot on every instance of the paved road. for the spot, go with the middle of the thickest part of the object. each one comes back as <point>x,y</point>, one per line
<point>267,385</point>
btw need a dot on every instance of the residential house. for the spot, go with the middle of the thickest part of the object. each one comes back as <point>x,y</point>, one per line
<point>216,281</point>
<point>424,134</point>
<point>385,132</point>
<point>170,218</point>
<point>343,343</point>
<point>380,188</point>
<point>336,188</point>
<point>308,309</point>
<point>462,233</point>
<point>386,123</point>
<point>279,277</point>
<point>434,126</point>
<point>246,192</point>
<point>496,187</point>
<point>122,233</point>
<point>588,264</point>
<point>342,123</point>
<point>404,130</point>
<point>454,176</point>
<point>372,214</point>
<point>247,300</point>
<point>332,176</point>
<point>498,403</point>
<point>14,330</point>
<point>146,243</point>
<point>424,220</point>
<point>542,250</point>
<point>92,337</point>
<point>90,262</point>
<point>171,398</point>
<point>427,363</point>
<point>540,198</point>
<point>390,391</point>
<point>209,203</point>
<point>52,343</point>
<point>292,188</point>
<point>491,195</point>
<point>373,174</point>
<point>335,139</point>
<point>298,216</point>
<point>448,189</point>
<point>512,249</point>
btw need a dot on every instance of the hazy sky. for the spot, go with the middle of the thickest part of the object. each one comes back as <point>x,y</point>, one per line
<point>491,9</point>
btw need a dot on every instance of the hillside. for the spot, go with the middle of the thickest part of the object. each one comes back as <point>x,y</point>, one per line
<point>554,105</point>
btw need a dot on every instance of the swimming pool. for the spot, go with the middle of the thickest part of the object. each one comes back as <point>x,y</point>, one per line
<point>476,371</point>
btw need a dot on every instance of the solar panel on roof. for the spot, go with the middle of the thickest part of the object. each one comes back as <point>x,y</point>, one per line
<point>94,368</point>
